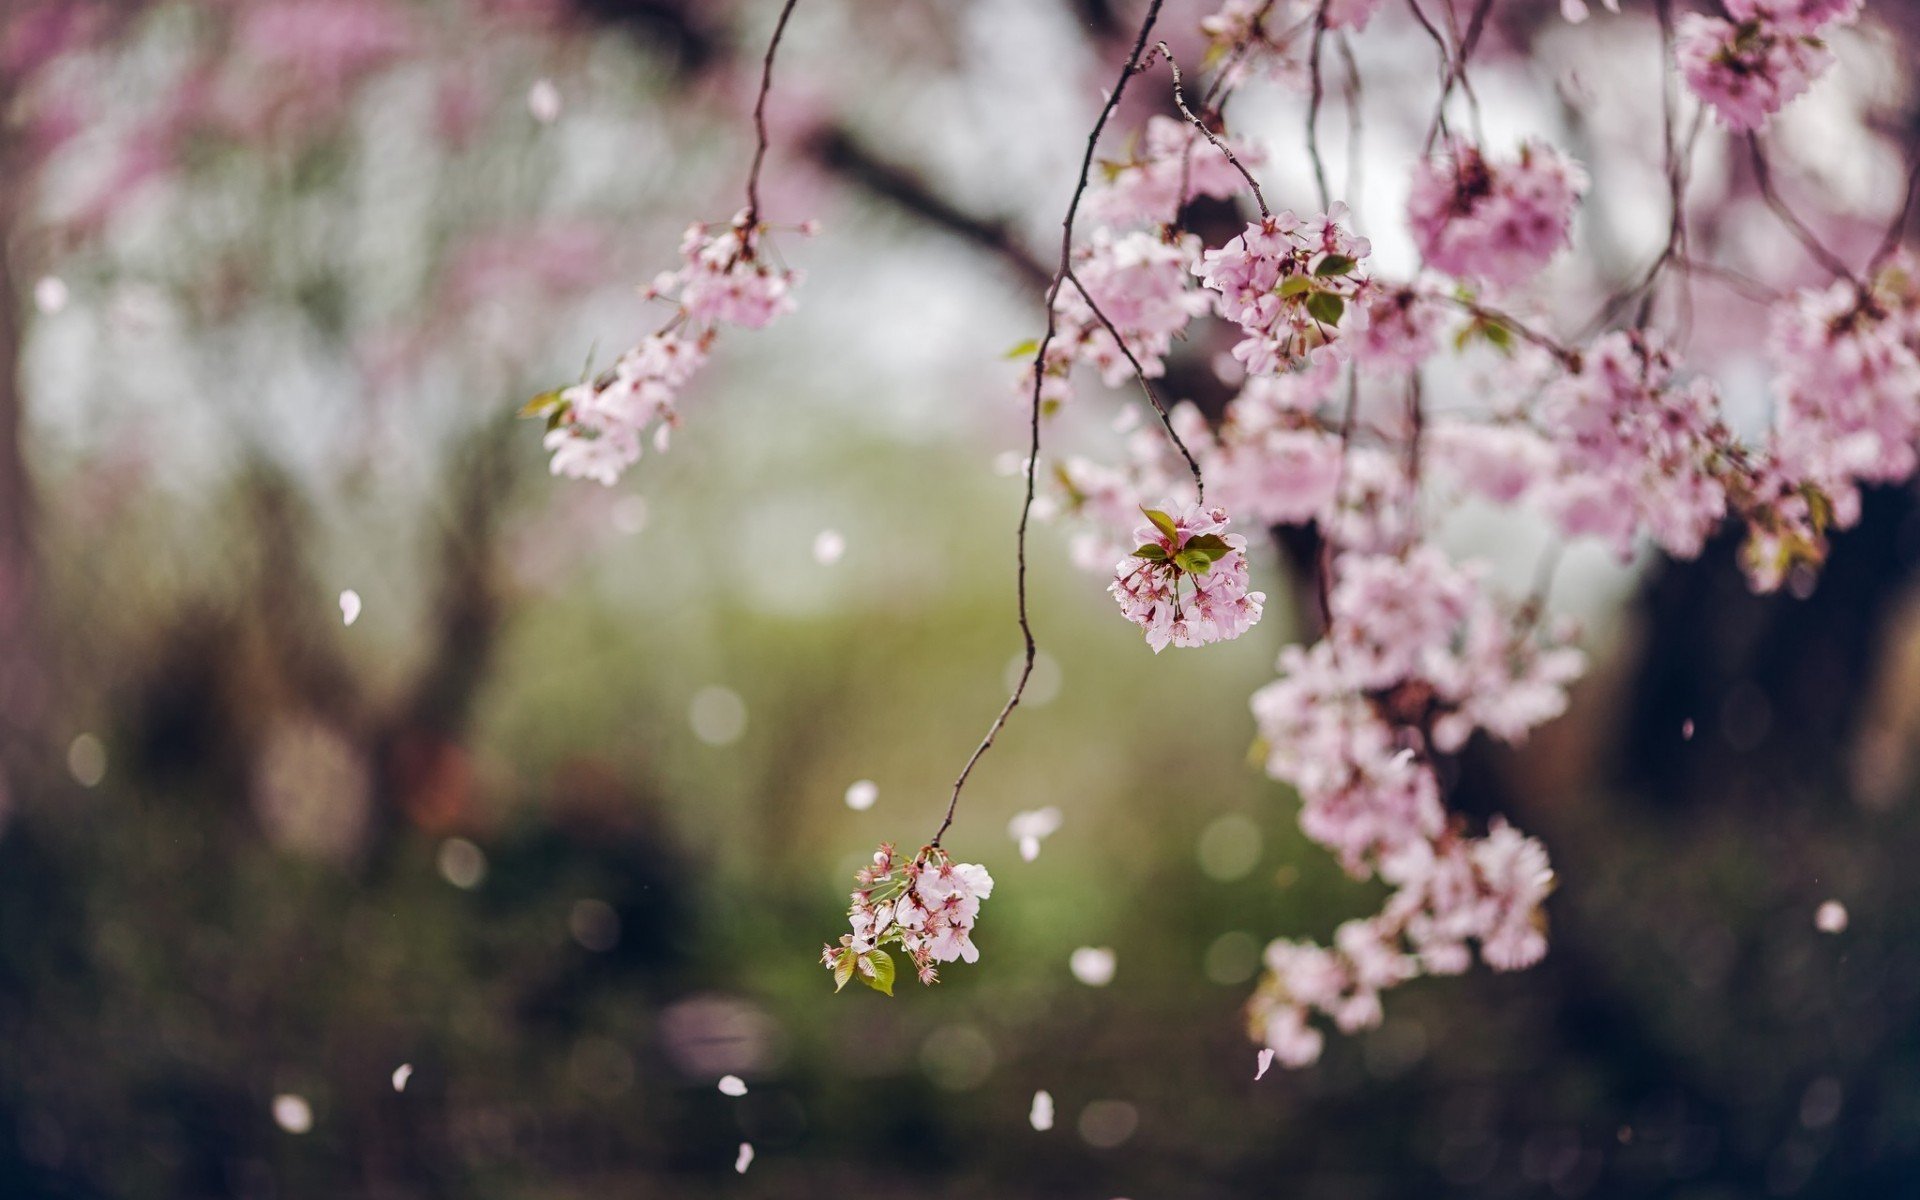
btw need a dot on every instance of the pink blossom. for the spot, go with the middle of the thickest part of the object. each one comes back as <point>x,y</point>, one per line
<point>1293,286</point>
<point>1746,72</point>
<point>927,907</point>
<point>1638,450</point>
<point>1187,584</point>
<point>1495,222</point>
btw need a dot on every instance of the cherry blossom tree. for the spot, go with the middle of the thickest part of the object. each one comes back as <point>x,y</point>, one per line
<point>1364,404</point>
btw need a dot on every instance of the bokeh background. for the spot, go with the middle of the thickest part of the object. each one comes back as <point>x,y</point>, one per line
<point>559,820</point>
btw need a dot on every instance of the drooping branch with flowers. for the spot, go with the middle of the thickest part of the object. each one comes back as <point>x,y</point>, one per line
<point>1593,422</point>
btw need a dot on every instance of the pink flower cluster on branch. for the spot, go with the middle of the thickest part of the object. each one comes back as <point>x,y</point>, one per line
<point>1494,221</point>
<point>1419,656</point>
<point>926,906</point>
<point>1748,68</point>
<point>1292,286</point>
<point>1187,583</point>
<point>598,428</point>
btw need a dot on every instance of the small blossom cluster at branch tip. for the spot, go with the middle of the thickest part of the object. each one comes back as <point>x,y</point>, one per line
<point>1291,285</point>
<point>1187,584</point>
<point>598,428</point>
<point>1750,67</point>
<point>926,906</point>
<point>1494,222</point>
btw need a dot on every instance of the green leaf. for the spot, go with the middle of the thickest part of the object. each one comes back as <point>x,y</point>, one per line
<point>1162,522</point>
<point>1293,285</point>
<point>1334,264</point>
<point>1152,552</point>
<point>1026,349</point>
<point>1326,308</point>
<point>544,404</point>
<point>1209,545</point>
<point>1193,563</point>
<point>883,972</point>
<point>843,971</point>
<point>1498,335</point>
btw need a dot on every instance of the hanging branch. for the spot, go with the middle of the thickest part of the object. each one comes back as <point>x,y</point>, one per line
<point>760,114</point>
<point>1133,65</point>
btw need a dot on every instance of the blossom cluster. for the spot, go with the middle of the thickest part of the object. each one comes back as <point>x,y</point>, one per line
<point>1494,221</point>
<point>927,906</point>
<point>1419,655</point>
<point>597,428</point>
<point>1291,285</point>
<point>1187,585</point>
<point>1138,281</point>
<point>1748,68</point>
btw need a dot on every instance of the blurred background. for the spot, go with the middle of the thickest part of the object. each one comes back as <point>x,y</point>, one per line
<point>559,821</point>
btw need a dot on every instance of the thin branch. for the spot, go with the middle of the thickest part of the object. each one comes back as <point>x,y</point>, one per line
<point>1763,178</point>
<point>1314,96</point>
<point>1897,228</point>
<point>1180,99</point>
<point>760,115</point>
<point>1146,385</point>
<point>1030,649</point>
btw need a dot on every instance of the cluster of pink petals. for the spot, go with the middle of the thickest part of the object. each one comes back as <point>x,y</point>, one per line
<point>1449,894</point>
<point>1275,462</point>
<point>1419,657</point>
<point>1399,333</point>
<point>1291,285</point>
<point>1141,283</point>
<point>598,428</point>
<point>1183,605</point>
<point>1495,222</point>
<point>1172,164</point>
<point>928,907</point>
<point>725,276</point>
<point>1746,72</point>
<point>1638,451</point>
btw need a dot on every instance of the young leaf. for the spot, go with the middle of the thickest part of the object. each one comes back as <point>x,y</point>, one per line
<point>1293,285</point>
<point>1210,545</point>
<point>546,402</point>
<point>883,972</point>
<point>1325,307</point>
<point>843,971</point>
<point>1334,264</point>
<point>1162,522</point>
<point>1152,552</point>
<point>1193,563</point>
<point>1026,349</point>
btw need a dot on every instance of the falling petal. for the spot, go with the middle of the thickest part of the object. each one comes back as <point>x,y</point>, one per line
<point>50,294</point>
<point>543,101</point>
<point>349,606</point>
<point>1041,1115</point>
<point>732,1085</point>
<point>828,547</point>
<point>1029,848</point>
<point>292,1113</point>
<point>1265,1059</point>
<point>1092,965</point>
<point>745,1158</point>
<point>401,1074</point>
<point>861,794</point>
<point>1831,917</point>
